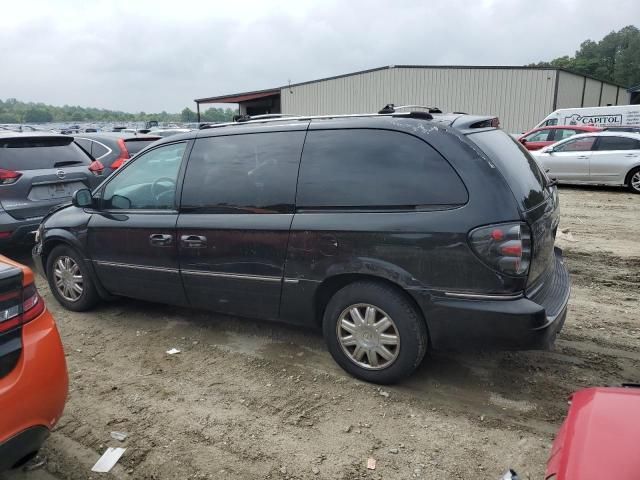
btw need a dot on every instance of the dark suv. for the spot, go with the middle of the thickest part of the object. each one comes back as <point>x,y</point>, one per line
<point>38,171</point>
<point>394,232</point>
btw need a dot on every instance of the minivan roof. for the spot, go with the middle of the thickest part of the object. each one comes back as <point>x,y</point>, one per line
<point>458,120</point>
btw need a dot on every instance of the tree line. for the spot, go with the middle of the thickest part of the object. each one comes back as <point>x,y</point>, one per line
<point>15,111</point>
<point>615,58</point>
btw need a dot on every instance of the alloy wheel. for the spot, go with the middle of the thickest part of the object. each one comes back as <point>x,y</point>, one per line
<point>368,336</point>
<point>635,181</point>
<point>68,278</point>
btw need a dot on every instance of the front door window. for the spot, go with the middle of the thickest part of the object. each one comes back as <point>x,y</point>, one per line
<point>149,183</point>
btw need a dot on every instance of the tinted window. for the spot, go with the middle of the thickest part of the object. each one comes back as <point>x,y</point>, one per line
<point>32,153</point>
<point>617,143</point>
<point>98,150</point>
<point>243,173</point>
<point>516,164</point>
<point>374,168</point>
<point>135,145</point>
<point>84,144</point>
<point>541,136</point>
<point>551,122</point>
<point>148,182</point>
<point>582,144</point>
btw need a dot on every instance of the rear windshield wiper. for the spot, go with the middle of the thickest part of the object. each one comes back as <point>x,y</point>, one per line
<point>66,163</point>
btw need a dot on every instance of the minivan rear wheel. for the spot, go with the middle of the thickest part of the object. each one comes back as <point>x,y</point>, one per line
<point>69,279</point>
<point>374,332</point>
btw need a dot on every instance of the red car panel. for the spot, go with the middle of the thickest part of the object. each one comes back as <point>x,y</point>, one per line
<point>553,137</point>
<point>34,391</point>
<point>599,437</point>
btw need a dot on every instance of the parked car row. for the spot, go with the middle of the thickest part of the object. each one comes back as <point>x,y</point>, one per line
<point>375,229</point>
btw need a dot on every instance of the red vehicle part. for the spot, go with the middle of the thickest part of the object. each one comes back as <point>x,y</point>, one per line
<point>33,392</point>
<point>541,137</point>
<point>599,438</point>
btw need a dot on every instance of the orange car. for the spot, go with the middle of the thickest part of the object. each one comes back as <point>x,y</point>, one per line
<point>33,372</point>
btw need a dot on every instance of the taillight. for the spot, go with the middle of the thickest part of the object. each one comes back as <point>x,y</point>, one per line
<point>124,155</point>
<point>19,307</point>
<point>96,167</point>
<point>504,247</point>
<point>7,177</point>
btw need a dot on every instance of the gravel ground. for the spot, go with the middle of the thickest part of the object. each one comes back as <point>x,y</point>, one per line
<point>250,400</point>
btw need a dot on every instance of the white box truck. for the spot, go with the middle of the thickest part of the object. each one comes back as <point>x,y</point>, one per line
<point>611,116</point>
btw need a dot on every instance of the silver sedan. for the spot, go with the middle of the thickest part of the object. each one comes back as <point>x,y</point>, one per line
<point>600,158</point>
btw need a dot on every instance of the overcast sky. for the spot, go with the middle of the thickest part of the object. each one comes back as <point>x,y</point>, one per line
<point>160,55</point>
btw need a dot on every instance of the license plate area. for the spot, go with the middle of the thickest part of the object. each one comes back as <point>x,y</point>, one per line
<point>54,190</point>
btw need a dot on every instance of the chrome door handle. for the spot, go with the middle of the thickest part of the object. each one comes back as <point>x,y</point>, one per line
<point>193,241</point>
<point>631,155</point>
<point>160,239</point>
<point>582,157</point>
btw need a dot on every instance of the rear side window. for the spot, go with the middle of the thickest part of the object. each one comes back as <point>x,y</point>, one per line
<point>98,150</point>
<point>134,145</point>
<point>253,173</point>
<point>33,153</point>
<point>581,144</point>
<point>617,143</point>
<point>374,169</point>
<point>518,167</point>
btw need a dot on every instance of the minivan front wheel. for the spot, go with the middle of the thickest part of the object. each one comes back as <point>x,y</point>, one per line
<point>69,279</point>
<point>374,332</point>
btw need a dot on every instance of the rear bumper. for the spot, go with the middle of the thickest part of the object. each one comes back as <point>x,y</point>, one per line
<point>21,446</point>
<point>522,323</point>
<point>20,230</point>
<point>34,392</point>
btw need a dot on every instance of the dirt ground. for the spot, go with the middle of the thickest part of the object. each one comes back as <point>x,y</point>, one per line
<point>249,400</point>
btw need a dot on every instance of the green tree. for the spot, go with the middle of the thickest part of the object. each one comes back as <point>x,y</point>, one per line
<point>37,115</point>
<point>615,58</point>
<point>188,115</point>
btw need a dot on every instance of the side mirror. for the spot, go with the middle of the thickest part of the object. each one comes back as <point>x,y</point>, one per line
<point>523,141</point>
<point>548,150</point>
<point>82,198</point>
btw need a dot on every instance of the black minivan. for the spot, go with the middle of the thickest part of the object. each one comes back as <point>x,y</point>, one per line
<point>394,233</point>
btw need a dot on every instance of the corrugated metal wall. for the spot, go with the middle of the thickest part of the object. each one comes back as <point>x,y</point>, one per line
<point>520,97</point>
<point>569,90</point>
<point>609,93</point>
<point>592,93</point>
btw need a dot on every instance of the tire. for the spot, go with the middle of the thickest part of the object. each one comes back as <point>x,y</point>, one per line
<point>634,177</point>
<point>63,259</point>
<point>346,345</point>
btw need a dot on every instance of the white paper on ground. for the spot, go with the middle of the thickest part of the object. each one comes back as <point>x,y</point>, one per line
<point>108,459</point>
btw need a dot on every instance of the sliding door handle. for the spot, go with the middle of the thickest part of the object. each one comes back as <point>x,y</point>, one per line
<point>160,239</point>
<point>193,241</point>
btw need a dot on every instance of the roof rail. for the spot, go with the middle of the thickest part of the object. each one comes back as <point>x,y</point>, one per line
<point>388,110</point>
<point>391,108</point>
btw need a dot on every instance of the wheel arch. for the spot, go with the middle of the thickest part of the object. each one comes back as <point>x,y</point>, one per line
<point>333,284</point>
<point>62,237</point>
<point>632,170</point>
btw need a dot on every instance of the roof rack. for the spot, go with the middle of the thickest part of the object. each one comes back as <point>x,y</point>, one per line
<point>391,108</point>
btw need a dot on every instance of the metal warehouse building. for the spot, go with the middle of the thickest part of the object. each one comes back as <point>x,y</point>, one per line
<point>520,96</point>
